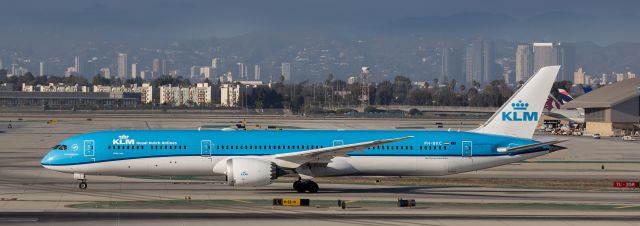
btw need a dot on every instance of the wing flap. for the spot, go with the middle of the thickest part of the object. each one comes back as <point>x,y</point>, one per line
<point>324,155</point>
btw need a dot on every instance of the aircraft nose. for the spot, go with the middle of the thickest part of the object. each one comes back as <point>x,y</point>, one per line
<point>47,159</point>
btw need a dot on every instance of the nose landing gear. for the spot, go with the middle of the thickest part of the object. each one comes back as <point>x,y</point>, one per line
<point>83,184</point>
<point>82,179</point>
<point>305,185</point>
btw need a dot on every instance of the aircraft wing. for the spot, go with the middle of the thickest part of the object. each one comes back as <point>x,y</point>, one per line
<point>530,146</point>
<point>324,155</point>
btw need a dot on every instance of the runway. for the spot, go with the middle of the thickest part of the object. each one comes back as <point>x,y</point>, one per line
<point>566,187</point>
<point>273,218</point>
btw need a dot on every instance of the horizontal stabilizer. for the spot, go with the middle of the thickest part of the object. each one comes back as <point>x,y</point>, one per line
<point>529,146</point>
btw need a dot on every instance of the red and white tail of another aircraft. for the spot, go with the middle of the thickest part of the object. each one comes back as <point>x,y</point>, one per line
<point>553,108</point>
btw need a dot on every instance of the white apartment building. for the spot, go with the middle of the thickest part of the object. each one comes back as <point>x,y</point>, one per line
<point>230,92</point>
<point>196,95</point>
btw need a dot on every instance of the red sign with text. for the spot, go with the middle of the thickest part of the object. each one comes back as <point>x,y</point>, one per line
<point>626,184</point>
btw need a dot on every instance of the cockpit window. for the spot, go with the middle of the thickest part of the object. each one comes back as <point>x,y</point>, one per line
<point>60,147</point>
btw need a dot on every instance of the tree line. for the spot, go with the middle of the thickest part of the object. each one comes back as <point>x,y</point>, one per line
<point>330,93</point>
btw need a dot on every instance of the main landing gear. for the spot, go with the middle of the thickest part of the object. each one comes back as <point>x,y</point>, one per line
<point>305,185</point>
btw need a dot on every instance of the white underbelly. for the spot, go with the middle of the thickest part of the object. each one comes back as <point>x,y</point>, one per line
<point>165,166</point>
<point>416,165</point>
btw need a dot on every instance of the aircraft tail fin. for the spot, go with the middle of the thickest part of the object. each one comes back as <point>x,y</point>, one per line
<point>519,116</point>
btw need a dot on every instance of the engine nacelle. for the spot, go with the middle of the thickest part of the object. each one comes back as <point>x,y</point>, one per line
<point>251,172</point>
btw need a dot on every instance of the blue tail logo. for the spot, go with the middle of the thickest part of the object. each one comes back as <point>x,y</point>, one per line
<point>519,113</point>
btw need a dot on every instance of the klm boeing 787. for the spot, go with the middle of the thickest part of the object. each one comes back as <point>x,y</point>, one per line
<point>256,158</point>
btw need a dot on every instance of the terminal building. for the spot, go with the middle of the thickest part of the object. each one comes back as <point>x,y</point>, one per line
<point>613,110</point>
<point>69,100</point>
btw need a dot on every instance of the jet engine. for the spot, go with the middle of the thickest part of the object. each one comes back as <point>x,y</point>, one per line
<point>251,172</point>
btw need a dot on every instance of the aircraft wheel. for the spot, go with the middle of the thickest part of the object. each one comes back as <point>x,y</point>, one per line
<point>300,186</point>
<point>82,185</point>
<point>296,185</point>
<point>312,187</point>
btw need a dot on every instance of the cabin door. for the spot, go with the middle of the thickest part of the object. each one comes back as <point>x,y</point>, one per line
<point>205,148</point>
<point>89,148</point>
<point>467,149</point>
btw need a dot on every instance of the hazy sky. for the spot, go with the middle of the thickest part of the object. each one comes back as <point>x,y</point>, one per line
<point>201,18</point>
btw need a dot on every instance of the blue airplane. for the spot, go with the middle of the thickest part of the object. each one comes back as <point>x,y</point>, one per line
<point>256,158</point>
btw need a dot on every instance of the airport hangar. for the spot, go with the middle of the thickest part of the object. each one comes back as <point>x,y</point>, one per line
<point>613,110</point>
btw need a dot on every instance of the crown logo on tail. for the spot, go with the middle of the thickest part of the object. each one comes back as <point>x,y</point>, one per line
<point>520,106</point>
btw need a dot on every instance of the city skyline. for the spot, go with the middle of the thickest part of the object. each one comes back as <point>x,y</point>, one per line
<point>475,61</point>
<point>423,40</point>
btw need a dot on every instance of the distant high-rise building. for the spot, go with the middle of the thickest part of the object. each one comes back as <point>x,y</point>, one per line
<point>215,63</point>
<point>205,72</point>
<point>550,54</point>
<point>164,67</point>
<point>567,59</point>
<point>619,77</point>
<point>544,54</point>
<point>194,71</point>
<point>122,66</point>
<point>77,64</point>
<point>241,72</point>
<point>451,65</point>
<point>286,71</point>
<point>604,79</point>
<point>524,63</point>
<point>579,77</point>
<point>488,62</point>
<point>229,77</point>
<point>134,71</point>
<point>256,72</point>
<point>631,75</point>
<point>143,75</point>
<point>246,72</point>
<point>1,64</point>
<point>155,67</point>
<point>480,62</point>
<point>105,72</point>
<point>41,68</point>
